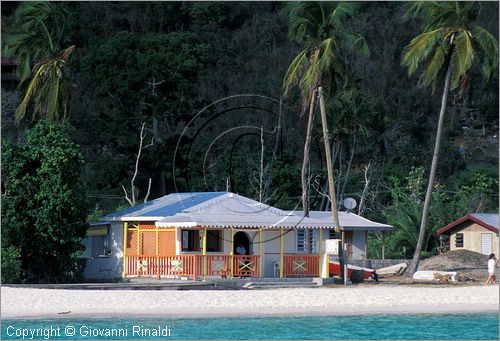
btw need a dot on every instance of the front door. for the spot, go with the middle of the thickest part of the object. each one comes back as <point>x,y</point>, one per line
<point>348,240</point>
<point>486,243</point>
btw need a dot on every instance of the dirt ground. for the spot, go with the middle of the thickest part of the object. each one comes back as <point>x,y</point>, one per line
<point>471,267</point>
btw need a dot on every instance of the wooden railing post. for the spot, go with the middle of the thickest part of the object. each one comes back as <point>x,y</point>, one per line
<point>195,260</point>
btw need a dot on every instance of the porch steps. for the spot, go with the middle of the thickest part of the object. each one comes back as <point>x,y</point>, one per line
<point>272,283</point>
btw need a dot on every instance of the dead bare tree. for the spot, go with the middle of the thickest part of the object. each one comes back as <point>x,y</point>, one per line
<point>133,190</point>
<point>365,189</point>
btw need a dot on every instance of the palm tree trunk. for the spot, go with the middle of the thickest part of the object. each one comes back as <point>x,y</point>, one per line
<point>305,162</point>
<point>331,187</point>
<point>353,149</point>
<point>324,200</point>
<point>432,174</point>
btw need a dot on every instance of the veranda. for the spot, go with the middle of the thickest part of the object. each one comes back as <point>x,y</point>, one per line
<point>199,252</point>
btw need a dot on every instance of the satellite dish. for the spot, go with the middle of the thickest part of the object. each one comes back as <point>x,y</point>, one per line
<point>349,203</point>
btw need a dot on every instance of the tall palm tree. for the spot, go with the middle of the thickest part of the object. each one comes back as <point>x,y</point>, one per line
<point>37,44</point>
<point>446,48</point>
<point>320,27</point>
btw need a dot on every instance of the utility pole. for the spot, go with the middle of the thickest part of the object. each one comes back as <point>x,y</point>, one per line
<point>331,187</point>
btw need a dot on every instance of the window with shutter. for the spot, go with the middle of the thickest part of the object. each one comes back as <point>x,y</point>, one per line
<point>459,240</point>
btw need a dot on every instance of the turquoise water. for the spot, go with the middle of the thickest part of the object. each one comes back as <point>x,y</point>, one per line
<point>380,327</point>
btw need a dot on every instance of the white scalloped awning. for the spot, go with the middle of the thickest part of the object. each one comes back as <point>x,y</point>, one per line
<point>250,220</point>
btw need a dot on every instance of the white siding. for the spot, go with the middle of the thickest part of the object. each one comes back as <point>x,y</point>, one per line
<point>358,245</point>
<point>111,266</point>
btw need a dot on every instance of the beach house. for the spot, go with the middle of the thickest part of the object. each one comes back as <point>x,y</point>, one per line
<point>203,234</point>
<point>476,232</point>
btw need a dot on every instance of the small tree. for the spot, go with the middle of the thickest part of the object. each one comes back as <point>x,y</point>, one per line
<point>11,265</point>
<point>43,206</point>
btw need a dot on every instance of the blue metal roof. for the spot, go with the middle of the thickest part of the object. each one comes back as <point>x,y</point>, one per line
<point>489,218</point>
<point>165,206</point>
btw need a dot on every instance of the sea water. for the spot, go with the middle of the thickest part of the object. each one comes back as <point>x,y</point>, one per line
<point>364,327</point>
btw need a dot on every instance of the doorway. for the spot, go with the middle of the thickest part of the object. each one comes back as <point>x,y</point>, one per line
<point>241,240</point>
<point>486,243</point>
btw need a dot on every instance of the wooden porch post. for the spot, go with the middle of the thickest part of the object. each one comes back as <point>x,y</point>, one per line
<point>366,244</point>
<point>320,251</point>
<point>125,239</point>
<point>260,251</point>
<point>231,252</point>
<point>383,245</point>
<point>138,239</point>
<point>157,254</point>
<point>204,253</point>
<point>282,237</point>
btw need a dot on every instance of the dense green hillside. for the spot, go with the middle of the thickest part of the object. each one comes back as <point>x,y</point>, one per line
<point>178,66</point>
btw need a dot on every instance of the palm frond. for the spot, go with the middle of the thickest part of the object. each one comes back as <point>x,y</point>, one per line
<point>29,92</point>
<point>464,54</point>
<point>319,26</point>
<point>302,19</point>
<point>435,64</point>
<point>295,71</point>
<point>342,11</point>
<point>312,75</point>
<point>420,48</point>
<point>489,47</point>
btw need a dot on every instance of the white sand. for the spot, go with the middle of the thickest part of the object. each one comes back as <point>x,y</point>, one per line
<point>43,303</point>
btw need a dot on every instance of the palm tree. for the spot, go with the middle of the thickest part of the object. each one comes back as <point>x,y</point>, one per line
<point>319,26</point>
<point>446,48</point>
<point>37,44</point>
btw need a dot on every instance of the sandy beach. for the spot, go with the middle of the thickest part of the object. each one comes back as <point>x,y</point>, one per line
<point>381,299</point>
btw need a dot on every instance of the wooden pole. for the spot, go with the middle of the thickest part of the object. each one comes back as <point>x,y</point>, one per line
<point>383,245</point>
<point>157,254</point>
<point>260,252</point>
<point>125,240</point>
<point>231,252</point>
<point>320,251</point>
<point>204,252</point>
<point>282,237</point>
<point>329,166</point>
<point>366,245</point>
<point>346,273</point>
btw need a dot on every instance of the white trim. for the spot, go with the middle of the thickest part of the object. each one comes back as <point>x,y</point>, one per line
<point>168,224</point>
<point>126,218</point>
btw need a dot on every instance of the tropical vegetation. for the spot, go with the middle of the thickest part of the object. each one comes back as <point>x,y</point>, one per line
<point>447,46</point>
<point>100,71</point>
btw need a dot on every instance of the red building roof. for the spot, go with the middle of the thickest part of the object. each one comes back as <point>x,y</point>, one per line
<point>486,220</point>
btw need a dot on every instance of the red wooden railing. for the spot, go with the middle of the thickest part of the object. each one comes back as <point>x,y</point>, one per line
<point>218,266</point>
<point>245,265</point>
<point>180,265</point>
<point>191,265</point>
<point>300,265</point>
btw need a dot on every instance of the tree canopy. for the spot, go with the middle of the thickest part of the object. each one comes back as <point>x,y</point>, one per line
<point>161,63</point>
<point>44,208</point>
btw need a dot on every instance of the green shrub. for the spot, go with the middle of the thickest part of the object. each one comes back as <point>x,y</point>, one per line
<point>11,265</point>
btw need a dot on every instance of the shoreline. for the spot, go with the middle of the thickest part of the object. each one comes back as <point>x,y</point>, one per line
<point>221,315</point>
<point>21,303</point>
